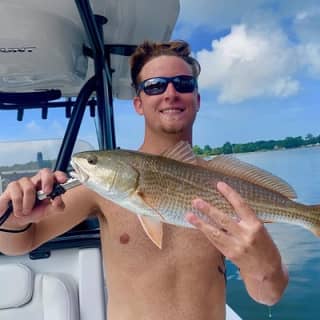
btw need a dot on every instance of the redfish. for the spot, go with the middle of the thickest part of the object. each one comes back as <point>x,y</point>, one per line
<point>160,188</point>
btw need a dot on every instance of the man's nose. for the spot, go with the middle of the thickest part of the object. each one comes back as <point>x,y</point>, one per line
<point>171,90</point>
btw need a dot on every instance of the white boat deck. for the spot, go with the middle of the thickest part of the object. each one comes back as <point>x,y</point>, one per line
<point>69,285</point>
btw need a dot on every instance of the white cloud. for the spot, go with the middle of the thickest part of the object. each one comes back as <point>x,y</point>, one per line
<point>310,55</point>
<point>217,14</point>
<point>306,24</point>
<point>307,28</point>
<point>53,128</point>
<point>58,128</point>
<point>263,53</point>
<point>248,63</point>
<point>33,127</point>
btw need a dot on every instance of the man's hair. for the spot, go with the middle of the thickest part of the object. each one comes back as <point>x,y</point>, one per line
<point>149,50</point>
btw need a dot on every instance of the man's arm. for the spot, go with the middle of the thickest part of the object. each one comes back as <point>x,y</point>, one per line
<point>247,244</point>
<point>49,219</point>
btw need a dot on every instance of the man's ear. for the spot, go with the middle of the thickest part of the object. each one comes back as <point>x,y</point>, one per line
<point>138,105</point>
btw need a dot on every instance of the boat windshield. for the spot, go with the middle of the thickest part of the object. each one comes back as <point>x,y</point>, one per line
<point>33,143</point>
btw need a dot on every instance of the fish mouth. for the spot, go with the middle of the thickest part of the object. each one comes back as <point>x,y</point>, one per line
<point>78,173</point>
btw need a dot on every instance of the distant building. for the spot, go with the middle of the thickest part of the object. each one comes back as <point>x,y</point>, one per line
<point>40,159</point>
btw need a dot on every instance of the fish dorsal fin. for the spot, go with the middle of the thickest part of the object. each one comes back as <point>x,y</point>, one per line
<point>182,151</point>
<point>232,166</point>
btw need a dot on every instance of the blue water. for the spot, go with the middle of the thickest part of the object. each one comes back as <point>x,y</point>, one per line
<point>299,248</point>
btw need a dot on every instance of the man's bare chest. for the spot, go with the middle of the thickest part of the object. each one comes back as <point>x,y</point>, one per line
<point>122,232</point>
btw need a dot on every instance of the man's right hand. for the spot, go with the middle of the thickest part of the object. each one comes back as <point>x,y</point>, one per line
<point>22,193</point>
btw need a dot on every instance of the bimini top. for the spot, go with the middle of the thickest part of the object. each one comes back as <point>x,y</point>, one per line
<point>41,41</point>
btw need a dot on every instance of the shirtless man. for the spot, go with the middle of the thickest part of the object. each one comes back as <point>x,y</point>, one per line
<point>185,279</point>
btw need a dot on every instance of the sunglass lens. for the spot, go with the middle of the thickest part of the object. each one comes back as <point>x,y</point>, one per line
<point>184,84</point>
<point>155,86</point>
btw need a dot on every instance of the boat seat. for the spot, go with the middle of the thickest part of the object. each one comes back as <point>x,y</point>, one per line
<point>28,295</point>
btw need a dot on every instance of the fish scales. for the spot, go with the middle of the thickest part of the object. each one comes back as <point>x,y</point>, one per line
<point>169,186</point>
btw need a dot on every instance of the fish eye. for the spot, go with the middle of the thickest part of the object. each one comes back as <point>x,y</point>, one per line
<point>92,159</point>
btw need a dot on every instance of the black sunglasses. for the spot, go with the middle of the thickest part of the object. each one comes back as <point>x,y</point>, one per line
<point>158,85</point>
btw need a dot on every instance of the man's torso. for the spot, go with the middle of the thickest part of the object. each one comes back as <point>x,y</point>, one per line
<point>185,279</point>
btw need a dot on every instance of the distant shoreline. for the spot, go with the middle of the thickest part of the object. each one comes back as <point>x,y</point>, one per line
<point>260,151</point>
<point>283,149</point>
<point>262,145</point>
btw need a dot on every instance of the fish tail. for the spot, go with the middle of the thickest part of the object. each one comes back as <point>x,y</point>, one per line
<point>315,211</point>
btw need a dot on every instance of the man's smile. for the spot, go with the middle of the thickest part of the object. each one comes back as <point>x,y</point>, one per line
<point>172,110</point>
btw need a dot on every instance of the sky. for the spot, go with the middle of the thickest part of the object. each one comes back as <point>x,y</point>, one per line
<point>260,75</point>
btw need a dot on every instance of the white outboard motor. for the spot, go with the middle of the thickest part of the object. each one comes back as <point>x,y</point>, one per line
<point>41,41</point>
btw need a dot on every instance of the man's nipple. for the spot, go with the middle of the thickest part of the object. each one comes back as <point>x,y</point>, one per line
<point>124,238</point>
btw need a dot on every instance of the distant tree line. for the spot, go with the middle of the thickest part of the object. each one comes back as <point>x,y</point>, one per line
<point>32,165</point>
<point>262,145</point>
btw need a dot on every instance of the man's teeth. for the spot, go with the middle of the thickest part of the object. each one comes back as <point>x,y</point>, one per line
<point>174,110</point>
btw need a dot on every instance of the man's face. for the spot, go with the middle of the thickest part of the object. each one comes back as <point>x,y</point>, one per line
<point>171,112</point>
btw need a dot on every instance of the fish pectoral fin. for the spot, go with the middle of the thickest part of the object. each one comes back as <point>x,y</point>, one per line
<point>147,202</point>
<point>153,229</point>
<point>152,225</point>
